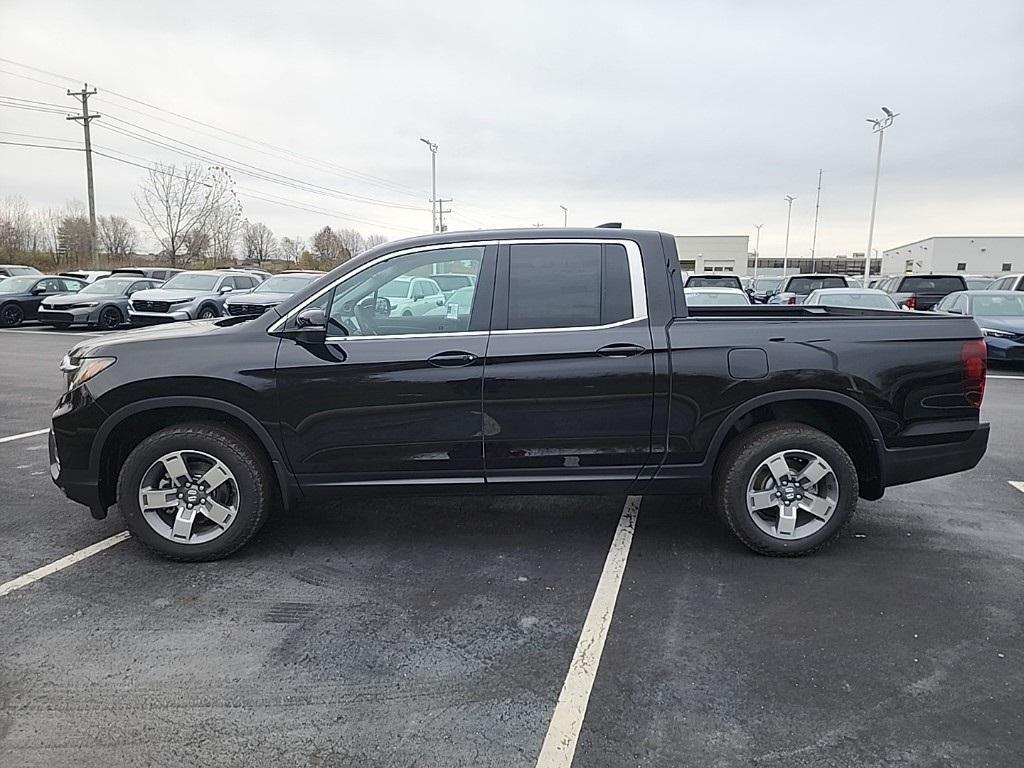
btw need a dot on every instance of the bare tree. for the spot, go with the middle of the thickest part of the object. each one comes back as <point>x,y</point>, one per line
<point>258,242</point>
<point>117,236</point>
<point>352,240</point>
<point>223,226</point>
<point>372,241</point>
<point>291,248</point>
<point>16,226</point>
<point>328,249</point>
<point>176,204</point>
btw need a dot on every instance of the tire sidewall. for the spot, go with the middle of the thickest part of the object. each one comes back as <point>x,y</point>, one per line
<point>20,316</point>
<point>746,461</point>
<point>107,310</point>
<point>207,312</point>
<point>253,490</point>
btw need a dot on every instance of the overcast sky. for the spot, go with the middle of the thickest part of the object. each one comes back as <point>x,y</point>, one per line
<point>694,118</point>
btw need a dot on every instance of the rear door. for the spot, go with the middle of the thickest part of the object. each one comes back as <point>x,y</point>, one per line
<point>568,384</point>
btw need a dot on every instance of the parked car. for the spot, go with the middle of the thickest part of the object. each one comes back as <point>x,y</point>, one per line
<point>198,295</point>
<point>260,274</point>
<point>456,307</point>
<point>86,275</point>
<point>453,281</point>
<point>978,282</point>
<point>410,295</point>
<point>103,304</point>
<point>1000,315</point>
<point>156,273</point>
<point>713,280</point>
<point>865,298</point>
<point>21,296</point>
<point>269,293</point>
<point>922,292</point>
<point>1007,283</point>
<point>579,368</point>
<point>764,288</point>
<point>13,270</point>
<point>796,288</point>
<point>716,297</point>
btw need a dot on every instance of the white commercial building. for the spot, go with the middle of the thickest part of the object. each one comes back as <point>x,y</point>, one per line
<point>992,255</point>
<point>713,253</point>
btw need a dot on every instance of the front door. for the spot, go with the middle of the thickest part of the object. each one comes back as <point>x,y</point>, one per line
<point>568,384</point>
<point>391,400</point>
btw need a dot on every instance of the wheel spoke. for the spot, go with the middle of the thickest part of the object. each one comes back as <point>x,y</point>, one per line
<point>816,505</point>
<point>787,520</point>
<point>762,500</point>
<point>218,513</point>
<point>811,474</point>
<point>157,499</point>
<point>177,470</point>
<point>183,524</point>
<point>214,476</point>
<point>779,468</point>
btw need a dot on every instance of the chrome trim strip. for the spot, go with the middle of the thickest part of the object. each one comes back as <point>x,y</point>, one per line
<point>454,334</point>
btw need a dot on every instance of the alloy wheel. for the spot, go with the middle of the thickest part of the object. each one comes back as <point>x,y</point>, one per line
<point>110,318</point>
<point>11,315</point>
<point>189,497</point>
<point>792,494</point>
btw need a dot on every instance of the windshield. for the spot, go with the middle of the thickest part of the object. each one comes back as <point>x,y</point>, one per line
<point>110,285</point>
<point>767,283</point>
<point>284,284</point>
<point>192,281</point>
<point>864,300</point>
<point>396,289</point>
<point>712,281</point>
<point>17,284</point>
<point>452,282</point>
<point>998,306</point>
<point>804,285</point>
<point>715,298</point>
<point>931,284</point>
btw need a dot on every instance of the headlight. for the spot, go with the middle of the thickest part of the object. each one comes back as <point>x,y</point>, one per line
<point>84,305</point>
<point>997,334</point>
<point>78,372</point>
<point>181,301</point>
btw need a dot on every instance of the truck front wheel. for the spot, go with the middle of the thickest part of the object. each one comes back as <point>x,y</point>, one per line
<point>785,489</point>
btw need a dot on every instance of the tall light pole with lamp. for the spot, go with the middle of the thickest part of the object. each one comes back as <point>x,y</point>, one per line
<point>757,247</point>
<point>433,184</point>
<point>785,253</point>
<point>565,216</point>
<point>878,125</point>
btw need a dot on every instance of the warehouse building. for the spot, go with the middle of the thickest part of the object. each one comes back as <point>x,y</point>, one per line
<point>980,255</point>
<point>713,253</point>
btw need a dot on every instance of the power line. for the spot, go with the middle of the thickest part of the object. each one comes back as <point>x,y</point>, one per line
<point>41,146</point>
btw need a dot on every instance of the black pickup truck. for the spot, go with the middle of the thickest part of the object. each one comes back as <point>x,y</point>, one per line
<point>569,364</point>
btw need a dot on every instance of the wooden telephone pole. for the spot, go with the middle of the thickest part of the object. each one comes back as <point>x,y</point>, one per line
<point>86,118</point>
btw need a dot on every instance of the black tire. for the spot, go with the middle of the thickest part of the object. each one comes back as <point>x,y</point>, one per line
<point>248,464</point>
<point>61,326</point>
<point>207,312</point>
<point>11,315</point>
<point>110,318</point>
<point>740,460</point>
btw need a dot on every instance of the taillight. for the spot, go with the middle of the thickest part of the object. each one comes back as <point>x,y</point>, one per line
<point>974,357</point>
<point>911,302</point>
<point>791,300</point>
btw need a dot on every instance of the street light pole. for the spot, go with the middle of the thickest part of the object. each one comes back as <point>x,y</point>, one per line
<point>565,216</point>
<point>757,247</point>
<point>433,183</point>
<point>785,253</point>
<point>878,126</point>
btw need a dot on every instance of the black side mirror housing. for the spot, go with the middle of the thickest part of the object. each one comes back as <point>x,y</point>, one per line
<point>310,327</point>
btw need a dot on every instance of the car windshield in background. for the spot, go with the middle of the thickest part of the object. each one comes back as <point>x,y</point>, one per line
<point>110,285</point>
<point>192,281</point>
<point>17,284</point>
<point>284,284</point>
<point>767,283</point>
<point>863,300</point>
<point>804,285</point>
<point>931,284</point>
<point>715,298</point>
<point>712,281</point>
<point>452,282</point>
<point>998,306</point>
<point>978,283</point>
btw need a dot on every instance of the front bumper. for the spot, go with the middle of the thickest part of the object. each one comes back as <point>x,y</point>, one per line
<point>63,316</point>
<point>1004,349</point>
<point>157,318</point>
<point>962,451</point>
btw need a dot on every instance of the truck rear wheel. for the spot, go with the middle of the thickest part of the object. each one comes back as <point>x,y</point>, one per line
<point>786,489</point>
<point>195,492</point>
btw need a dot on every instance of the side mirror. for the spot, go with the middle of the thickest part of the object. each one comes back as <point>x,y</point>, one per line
<point>440,302</point>
<point>225,289</point>
<point>310,327</point>
<point>38,291</point>
<point>749,291</point>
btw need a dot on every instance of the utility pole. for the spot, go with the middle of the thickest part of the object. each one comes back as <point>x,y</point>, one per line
<point>565,216</point>
<point>757,247</point>
<point>434,205</point>
<point>878,126</point>
<point>86,118</point>
<point>441,212</point>
<point>785,253</point>
<point>817,206</point>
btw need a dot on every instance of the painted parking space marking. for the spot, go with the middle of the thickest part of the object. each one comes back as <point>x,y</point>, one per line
<point>564,730</point>
<point>1017,484</point>
<point>59,565</point>
<point>23,435</point>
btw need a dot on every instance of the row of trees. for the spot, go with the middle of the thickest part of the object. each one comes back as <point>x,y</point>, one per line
<point>191,211</point>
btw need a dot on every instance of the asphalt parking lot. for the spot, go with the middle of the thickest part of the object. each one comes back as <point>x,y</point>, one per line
<point>441,631</point>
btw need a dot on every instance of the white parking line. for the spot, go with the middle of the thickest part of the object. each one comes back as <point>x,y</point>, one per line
<point>567,720</point>
<point>1017,484</point>
<point>59,565</point>
<point>23,435</point>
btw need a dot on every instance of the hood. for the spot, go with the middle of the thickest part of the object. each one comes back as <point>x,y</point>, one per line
<point>266,299</point>
<point>169,294</point>
<point>1000,323</point>
<point>108,345</point>
<point>67,299</point>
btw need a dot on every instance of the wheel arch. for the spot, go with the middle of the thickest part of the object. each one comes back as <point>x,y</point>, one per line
<point>839,416</point>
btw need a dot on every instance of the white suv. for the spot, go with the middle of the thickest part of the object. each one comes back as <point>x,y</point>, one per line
<point>412,296</point>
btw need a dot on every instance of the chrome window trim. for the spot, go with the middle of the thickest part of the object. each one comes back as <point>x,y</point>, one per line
<point>637,284</point>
